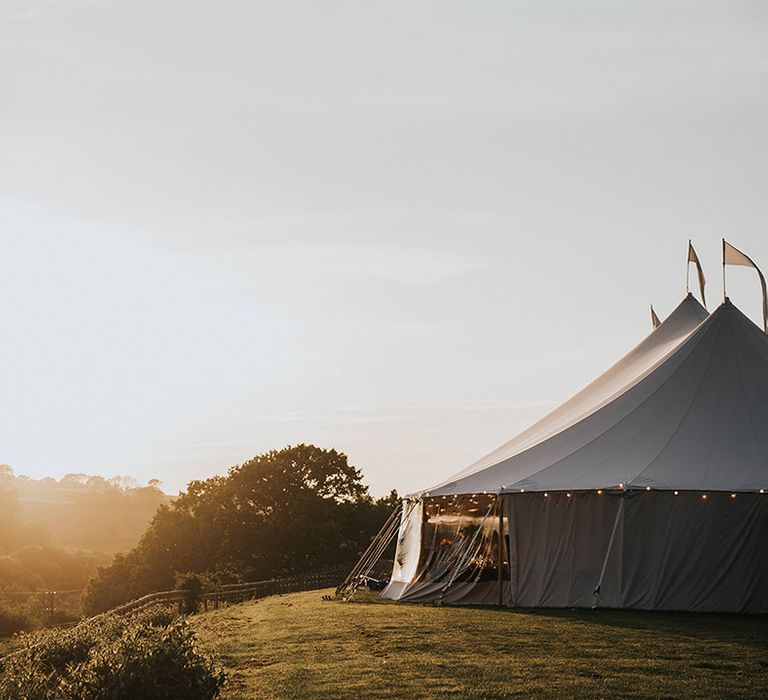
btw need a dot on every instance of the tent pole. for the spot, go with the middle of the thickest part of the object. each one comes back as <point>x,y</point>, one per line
<point>619,511</point>
<point>688,267</point>
<point>513,555</point>
<point>502,546</point>
<point>725,293</point>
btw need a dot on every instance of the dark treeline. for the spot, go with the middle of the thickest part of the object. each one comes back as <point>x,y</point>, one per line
<point>286,512</point>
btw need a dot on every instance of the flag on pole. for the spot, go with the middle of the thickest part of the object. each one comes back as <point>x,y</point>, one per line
<point>733,256</point>
<point>693,258</point>
<point>654,319</point>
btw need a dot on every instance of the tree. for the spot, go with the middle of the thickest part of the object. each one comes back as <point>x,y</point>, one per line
<point>97,483</point>
<point>74,478</point>
<point>284,512</point>
<point>123,482</point>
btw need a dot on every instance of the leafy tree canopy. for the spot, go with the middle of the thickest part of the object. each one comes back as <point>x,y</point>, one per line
<point>285,512</point>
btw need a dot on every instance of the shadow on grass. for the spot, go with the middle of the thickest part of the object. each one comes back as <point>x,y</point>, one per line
<point>722,627</point>
<point>712,626</point>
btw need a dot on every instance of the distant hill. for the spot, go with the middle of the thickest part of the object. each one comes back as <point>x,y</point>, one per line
<point>79,510</point>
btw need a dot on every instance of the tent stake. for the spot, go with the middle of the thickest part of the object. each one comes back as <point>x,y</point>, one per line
<point>500,563</point>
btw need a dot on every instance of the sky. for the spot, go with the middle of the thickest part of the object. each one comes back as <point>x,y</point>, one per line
<point>401,229</point>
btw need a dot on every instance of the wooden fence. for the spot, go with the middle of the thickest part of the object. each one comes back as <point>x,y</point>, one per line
<point>230,593</point>
<point>224,596</point>
<point>51,601</point>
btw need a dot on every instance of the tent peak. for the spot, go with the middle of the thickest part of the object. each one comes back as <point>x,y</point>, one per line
<point>689,413</point>
<point>673,331</point>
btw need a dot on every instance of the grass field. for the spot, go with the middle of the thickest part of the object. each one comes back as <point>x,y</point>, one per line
<point>301,646</point>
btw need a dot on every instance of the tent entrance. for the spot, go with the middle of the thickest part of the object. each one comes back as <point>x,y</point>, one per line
<point>462,552</point>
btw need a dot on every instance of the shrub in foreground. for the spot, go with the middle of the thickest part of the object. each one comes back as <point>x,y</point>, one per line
<point>152,655</point>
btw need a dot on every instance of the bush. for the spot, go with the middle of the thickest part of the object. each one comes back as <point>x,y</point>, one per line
<point>15,619</point>
<point>152,655</point>
<point>193,586</point>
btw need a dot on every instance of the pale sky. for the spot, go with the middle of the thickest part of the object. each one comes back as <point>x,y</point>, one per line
<point>400,229</point>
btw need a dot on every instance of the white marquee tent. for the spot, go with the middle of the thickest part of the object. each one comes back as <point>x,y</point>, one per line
<point>645,490</point>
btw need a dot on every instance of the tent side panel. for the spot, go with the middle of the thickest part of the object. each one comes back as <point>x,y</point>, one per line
<point>561,543</point>
<point>691,553</point>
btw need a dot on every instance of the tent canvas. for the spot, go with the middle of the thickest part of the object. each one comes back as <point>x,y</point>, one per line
<point>646,490</point>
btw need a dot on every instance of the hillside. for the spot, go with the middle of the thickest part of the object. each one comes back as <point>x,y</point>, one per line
<point>80,511</point>
<point>301,646</point>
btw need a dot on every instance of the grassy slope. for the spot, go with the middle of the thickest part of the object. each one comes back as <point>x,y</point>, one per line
<point>301,646</point>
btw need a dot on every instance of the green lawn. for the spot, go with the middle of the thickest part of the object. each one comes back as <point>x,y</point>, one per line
<point>301,646</point>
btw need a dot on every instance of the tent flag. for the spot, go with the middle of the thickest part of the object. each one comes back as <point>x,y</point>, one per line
<point>733,256</point>
<point>655,322</point>
<point>693,258</point>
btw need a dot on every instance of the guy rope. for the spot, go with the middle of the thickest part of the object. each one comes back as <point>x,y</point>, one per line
<point>372,554</point>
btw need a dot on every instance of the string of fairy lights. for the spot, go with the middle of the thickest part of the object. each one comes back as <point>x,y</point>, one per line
<point>458,504</point>
<point>453,517</point>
